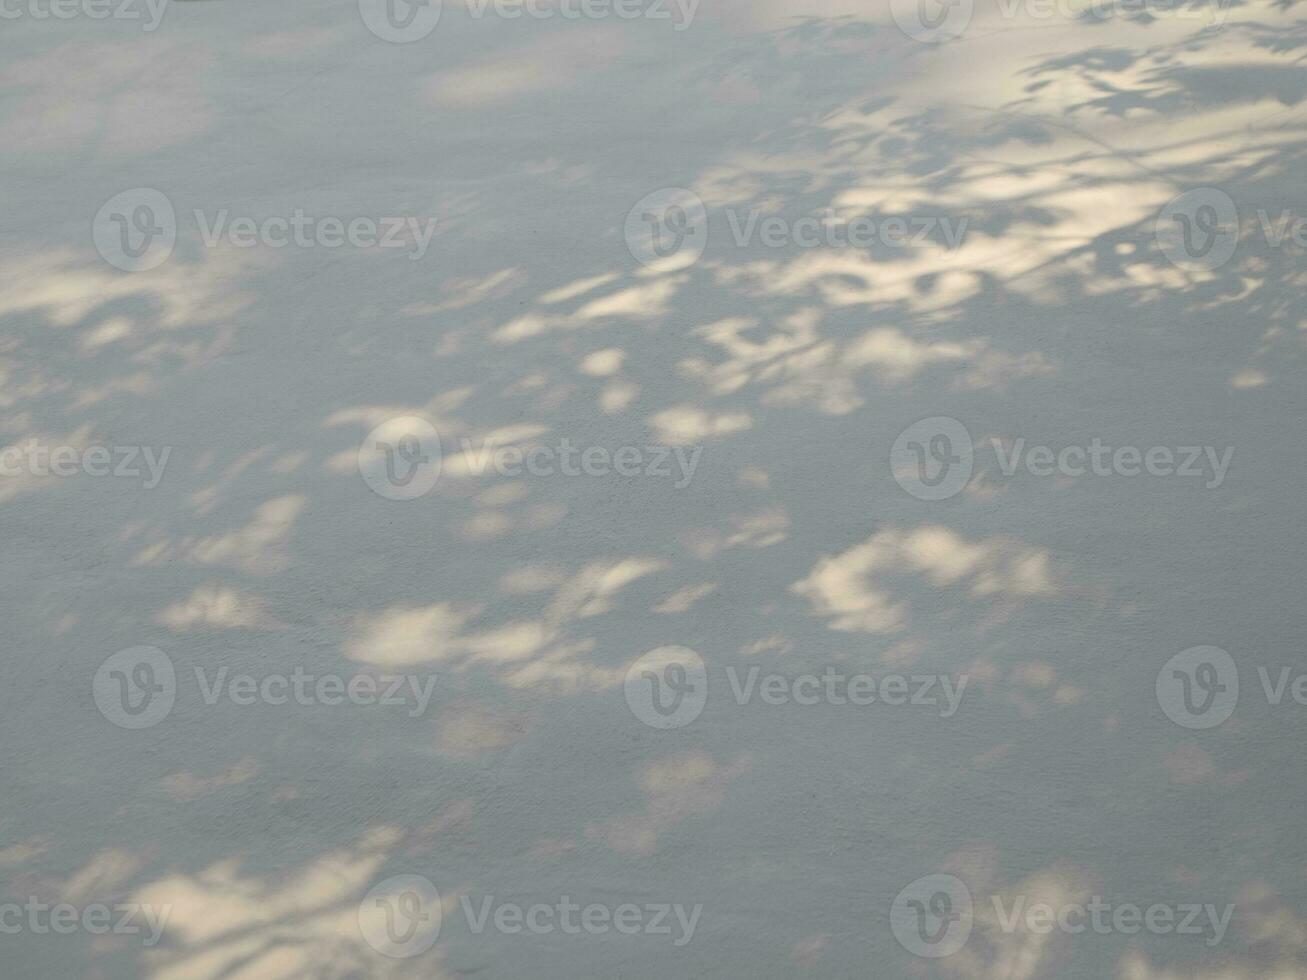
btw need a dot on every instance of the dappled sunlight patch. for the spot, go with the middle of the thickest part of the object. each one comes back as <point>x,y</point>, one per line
<point>603,363</point>
<point>438,409</point>
<point>21,480</point>
<point>778,645</point>
<point>1268,918</point>
<point>682,600</point>
<point>492,525</point>
<point>110,331</point>
<point>457,294</point>
<point>471,730</point>
<point>640,302</point>
<point>896,357</point>
<point>685,425</point>
<point>676,788</point>
<point>578,288</point>
<point>646,300</point>
<point>1189,765</point>
<point>68,286</point>
<point>529,579</point>
<point>298,42</point>
<point>118,98</point>
<point>186,786</point>
<point>592,591</point>
<point>228,922</point>
<point>258,548</point>
<point>24,852</point>
<point>273,458</point>
<point>103,876</point>
<point>139,384</point>
<point>521,653</point>
<point>852,592</point>
<point>998,953</point>
<point>472,456</point>
<point>558,60</point>
<point>1033,687</point>
<point>794,366</point>
<point>1137,966</point>
<point>403,636</point>
<point>216,607</point>
<point>1272,944</point>
<point>759,530</point>
<point>806,953</point>
<point>617,396</point>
